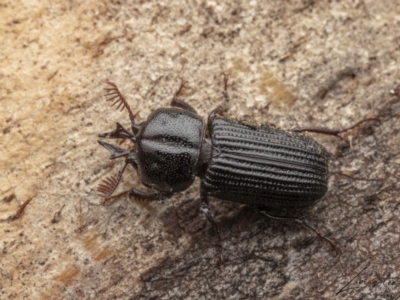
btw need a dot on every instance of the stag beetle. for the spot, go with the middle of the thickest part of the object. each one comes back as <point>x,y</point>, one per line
<point>258,165</point>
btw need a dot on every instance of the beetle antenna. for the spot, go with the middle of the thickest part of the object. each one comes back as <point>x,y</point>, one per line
<point>113,94</point>
<point>108,186</point>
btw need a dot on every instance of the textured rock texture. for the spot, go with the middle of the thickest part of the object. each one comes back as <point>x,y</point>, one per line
<point>291,63</point>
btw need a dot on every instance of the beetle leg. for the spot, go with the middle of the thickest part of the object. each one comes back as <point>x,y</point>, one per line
<point>119,133</point>
<point>114,150</point>
<point>180,103</point>
<point>334,132</point>
<point>222,108</point>
<point>225,92</point>
<point>205,208</point>
<point>304,224</point>
<point>140,195</point>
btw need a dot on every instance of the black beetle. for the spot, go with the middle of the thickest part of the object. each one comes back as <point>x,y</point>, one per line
<point>258,165</point>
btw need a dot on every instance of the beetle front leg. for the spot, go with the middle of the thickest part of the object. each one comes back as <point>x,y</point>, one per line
<point>140,195</point>
<point>119,133</point>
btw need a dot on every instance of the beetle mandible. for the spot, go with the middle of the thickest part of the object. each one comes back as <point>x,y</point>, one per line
<point>257,165</point>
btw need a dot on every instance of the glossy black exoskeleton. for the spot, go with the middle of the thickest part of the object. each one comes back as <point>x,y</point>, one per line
<point>258,165</point>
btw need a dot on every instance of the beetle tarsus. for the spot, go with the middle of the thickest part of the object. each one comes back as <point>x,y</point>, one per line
<point>111,198</point>
<point>222,108</point>
<point>57,215</point>
<point>330,242</point>
<point>180,103</point>
<point>225,92</point>
<point>301,222</point>
<point>20,210</point>
<point>226,78</point>
<point>334,132</point>
<point>183,83</point>
<point>119,133</point>
<point>205,208</point>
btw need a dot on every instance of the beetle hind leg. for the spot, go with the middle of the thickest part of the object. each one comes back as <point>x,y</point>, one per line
<point>329,241</point>
<point>205,208</point>
<point>334,132</point>
<point>304,224</point>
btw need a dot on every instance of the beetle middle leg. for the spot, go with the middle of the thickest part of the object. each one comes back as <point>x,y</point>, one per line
<point>222,108</point>
<point>140,195</point>
<point>304,224</point>
<point>205,208</point>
